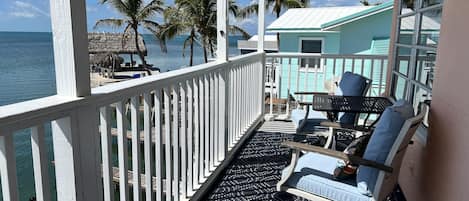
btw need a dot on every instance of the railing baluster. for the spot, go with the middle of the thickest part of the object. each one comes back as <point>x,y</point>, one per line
<point>202,96</point>
<point>40,163</point>
<point>207,125</point>
<point>197,149</point>
<point>147,145</point>
<point>122,148</point>
<point>306,73</point>
<point>298,75</point>
<point>134,115</point>
<point>175,135</point>
<point>190,136</point>
<point>183,139</point>
<point>213,114</point>
<point>167,135</point>
<point>317,65</point>
<point>279,83</point>
<point>223,117</point>
<point>363,66</point>
<point>271,99</point>
<point>287,112</point>
<point>159,147</point>
<point>381,72</point>
<point>106,150</point>
<point>8,168</point>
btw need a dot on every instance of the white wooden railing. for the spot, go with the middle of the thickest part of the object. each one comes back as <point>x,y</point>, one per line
<point>192,118</point>
<point>287,73</point>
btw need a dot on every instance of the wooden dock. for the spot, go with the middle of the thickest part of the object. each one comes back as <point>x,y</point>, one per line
<point>130,176</point>
<point>153,138</point>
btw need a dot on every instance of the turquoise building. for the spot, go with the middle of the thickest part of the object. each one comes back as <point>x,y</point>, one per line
<point>353,30</point>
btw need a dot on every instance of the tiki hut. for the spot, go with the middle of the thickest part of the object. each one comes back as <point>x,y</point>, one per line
<point>100,45</point>
<point>116,43</point>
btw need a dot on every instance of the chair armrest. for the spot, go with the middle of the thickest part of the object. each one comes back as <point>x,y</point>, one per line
<point>310,93</point>
<point>338,154</point>
<point>339,126</point>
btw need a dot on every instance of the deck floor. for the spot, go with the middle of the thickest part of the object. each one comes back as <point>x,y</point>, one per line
<point>256,169</point>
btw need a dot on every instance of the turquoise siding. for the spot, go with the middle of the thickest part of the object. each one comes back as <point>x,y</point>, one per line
<point>356,37</point>
<point>365,36</point>
<point>289,42</point>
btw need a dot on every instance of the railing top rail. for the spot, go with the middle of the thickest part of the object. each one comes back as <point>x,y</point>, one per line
<point>315,55</point>
<point>36,111</point>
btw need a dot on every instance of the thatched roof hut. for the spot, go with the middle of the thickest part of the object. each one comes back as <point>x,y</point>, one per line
<point>116,43</point>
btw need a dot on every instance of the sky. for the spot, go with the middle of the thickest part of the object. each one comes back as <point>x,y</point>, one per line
<point>33,15</point>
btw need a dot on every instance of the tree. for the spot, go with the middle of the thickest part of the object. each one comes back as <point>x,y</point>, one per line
<point>136,14</point>
<point>197,18</point>
<point>276,5</point>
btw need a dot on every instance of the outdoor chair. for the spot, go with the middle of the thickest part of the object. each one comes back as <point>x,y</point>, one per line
<point>311,175</point>
<point>308,120</point>
<point>351,84</point>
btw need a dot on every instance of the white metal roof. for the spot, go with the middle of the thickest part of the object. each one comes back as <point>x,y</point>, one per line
<point>313,18</point>
<point>266,38</point>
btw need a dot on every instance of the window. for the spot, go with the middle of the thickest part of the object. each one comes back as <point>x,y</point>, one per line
<point>313,46</point>
<point>414,52</point>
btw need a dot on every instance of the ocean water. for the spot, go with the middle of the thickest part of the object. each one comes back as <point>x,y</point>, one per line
<point>27,72</point>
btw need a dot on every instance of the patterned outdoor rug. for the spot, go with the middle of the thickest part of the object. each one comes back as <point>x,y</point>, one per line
<point>254,173</point>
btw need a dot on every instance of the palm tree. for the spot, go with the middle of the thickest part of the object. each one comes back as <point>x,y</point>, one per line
<point>136,13</point>
<point>198,19</point>
<point>276,5</point>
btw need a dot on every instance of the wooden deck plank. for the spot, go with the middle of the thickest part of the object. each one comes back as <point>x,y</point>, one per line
<point>115,178</point>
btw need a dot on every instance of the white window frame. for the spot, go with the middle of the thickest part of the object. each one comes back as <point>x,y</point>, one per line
<point>300,47</point>
<point>410,80</point>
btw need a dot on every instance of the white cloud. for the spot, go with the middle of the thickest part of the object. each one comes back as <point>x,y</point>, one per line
<point>90,9</point>
<point>26,10</point>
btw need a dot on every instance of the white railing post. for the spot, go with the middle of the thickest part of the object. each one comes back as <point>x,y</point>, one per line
<point>260,26</point>
<point>76,147</point>
<point>222,30</point>
<point>76,154</point>
<point>70,39</point>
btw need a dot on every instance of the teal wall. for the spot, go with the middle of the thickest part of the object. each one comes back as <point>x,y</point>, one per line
<point>352,38</point>
<point>356,37</point>
<point>289,42</point>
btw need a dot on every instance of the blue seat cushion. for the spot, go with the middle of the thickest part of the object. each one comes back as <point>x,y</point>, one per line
<point>381,141</point>
<point>314,118</point>
<point>351,84</point>
<point>314,174</point>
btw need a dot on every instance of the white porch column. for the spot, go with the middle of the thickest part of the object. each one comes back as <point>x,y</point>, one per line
<point>75,138</point>
<point>222,30</point>
<point>70,39</point>
<point>260,26</point>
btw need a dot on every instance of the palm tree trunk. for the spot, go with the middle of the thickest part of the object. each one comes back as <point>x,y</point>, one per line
<point>140,53</point>
<point>191,60</point>
<point>205,50</point>
<point>212,51</point>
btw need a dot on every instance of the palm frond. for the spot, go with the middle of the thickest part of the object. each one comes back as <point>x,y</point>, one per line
<point>248,11</point>
<point>155,6</point>
<point>233,29</point>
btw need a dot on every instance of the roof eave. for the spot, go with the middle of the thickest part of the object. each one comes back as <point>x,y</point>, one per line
<point>356,16</point>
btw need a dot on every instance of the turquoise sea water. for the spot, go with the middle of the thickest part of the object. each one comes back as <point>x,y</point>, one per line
<point>27,72</point>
